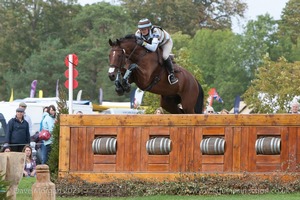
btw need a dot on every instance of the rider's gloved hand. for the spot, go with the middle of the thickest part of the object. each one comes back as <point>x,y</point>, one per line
<point>140,42</point>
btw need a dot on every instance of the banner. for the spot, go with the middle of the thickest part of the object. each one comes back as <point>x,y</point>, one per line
<point>100,96</point>
<point>33,88</point>
<point>11,99</point>
<point>57,92</point>
<point>237,105</point>
<point>79,95</point>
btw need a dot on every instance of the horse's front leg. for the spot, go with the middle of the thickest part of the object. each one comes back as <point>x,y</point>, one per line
<point>125,82</point>
<point>119,89</point>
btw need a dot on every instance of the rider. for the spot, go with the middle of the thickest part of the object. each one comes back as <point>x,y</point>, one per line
<point>152,37</point>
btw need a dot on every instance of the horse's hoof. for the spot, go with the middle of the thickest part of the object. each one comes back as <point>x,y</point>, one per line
<point>119,91</point>
<point>127,88</point>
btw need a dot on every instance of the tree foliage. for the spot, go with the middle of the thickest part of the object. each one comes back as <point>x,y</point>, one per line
<point>24,25</point>
<point>36,36</point>
<point>85,34</point>
<point>289,25</point>
<point>274,87</point>
<point>259,39</point>
<point>94,26</point>
<point>186,16</point>
<point>218,55</point>
<point>62,108</point>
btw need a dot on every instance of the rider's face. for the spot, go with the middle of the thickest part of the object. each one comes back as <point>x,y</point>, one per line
<point>144,31</point>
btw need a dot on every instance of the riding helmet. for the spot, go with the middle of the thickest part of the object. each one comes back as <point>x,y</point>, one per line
<point>144,23</point>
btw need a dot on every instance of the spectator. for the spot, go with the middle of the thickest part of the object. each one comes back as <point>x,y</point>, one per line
<point>18,132</point>
<point>159,111</point>
<point>45,112</point>
<point>79,112</point>
<point>48,124</point>
<point>295,108</point>
<point>26,117</point>
<point>40,144</point>
<point>3,125</point>
<point>30,165</point>
<point>5,148</point>
<point>210,110</point>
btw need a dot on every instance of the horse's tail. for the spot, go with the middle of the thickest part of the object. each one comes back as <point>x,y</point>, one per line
<point>200,100</point>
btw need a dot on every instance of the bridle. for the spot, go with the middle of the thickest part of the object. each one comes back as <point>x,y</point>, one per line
<point>120,61</point>
<point>127,57</point>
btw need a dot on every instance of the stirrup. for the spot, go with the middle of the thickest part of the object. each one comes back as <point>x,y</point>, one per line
<point>174,79</point>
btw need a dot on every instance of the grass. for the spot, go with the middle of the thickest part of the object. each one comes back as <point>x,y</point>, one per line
<point>24,193</point>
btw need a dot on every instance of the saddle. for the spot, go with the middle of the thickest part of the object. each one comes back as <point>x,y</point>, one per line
<point>161,61</point>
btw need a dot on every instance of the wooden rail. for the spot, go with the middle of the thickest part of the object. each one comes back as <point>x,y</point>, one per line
<point>240,132</point>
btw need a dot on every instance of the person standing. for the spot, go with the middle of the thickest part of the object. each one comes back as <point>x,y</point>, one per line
<point>26,117</point>
<point>3,128</point>
<point>40,143</point>
<point>18,132</point>
<point>48,124</point>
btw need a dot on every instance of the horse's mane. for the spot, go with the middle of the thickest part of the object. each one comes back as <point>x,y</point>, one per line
<point>129,36</point>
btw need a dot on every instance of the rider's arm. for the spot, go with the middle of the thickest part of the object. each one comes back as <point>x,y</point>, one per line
<point>153,46</point>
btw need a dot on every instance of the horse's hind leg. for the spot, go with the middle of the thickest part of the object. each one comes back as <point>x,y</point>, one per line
<point>188,103</point>
<point>170,104</point>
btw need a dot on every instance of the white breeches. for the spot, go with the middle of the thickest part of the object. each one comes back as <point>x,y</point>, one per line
<point>167,48</point>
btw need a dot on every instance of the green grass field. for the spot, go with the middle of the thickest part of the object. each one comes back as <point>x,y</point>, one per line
<point>24,193</point>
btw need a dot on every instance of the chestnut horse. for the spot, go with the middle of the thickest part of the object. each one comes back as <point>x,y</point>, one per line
<point>130,63</point>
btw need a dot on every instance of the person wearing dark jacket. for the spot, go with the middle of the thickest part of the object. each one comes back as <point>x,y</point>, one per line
<point>18,132</point>
<point>3,128</point>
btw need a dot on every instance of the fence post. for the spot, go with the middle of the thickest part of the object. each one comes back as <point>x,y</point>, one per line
<point>43,188</point>
<point>12,164</point>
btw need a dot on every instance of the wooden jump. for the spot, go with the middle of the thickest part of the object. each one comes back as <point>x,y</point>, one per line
<point>78,133</point>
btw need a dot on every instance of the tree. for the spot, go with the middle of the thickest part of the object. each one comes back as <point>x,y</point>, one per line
<point>24,25</point>
<point>259,39</point>
<point>93,27</point>
<point>218,55</point>
<point>46,66</point>
<point>274,87</point>
<point>289,24</point>
<point>186,16</point>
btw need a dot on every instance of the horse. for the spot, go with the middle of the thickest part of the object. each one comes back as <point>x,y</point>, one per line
<point>132,63</point>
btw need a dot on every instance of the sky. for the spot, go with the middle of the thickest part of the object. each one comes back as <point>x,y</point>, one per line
<point>260,7</point>
<point>255,8</point>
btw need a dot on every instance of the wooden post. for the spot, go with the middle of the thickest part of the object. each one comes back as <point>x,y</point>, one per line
<point>12,164</point>
<point>43,188</point>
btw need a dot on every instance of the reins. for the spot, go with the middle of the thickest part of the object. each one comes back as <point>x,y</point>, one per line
<point>132,52</point>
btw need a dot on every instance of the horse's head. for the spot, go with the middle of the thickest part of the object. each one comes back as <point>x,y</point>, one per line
<point>116,59</point>
<point>120,50</point>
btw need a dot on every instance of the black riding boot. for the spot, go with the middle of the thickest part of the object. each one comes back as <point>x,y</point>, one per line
<point>169,65</point>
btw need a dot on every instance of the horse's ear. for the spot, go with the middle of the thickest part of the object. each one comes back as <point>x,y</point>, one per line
<point>118,41</point>
<point>110,42</point>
